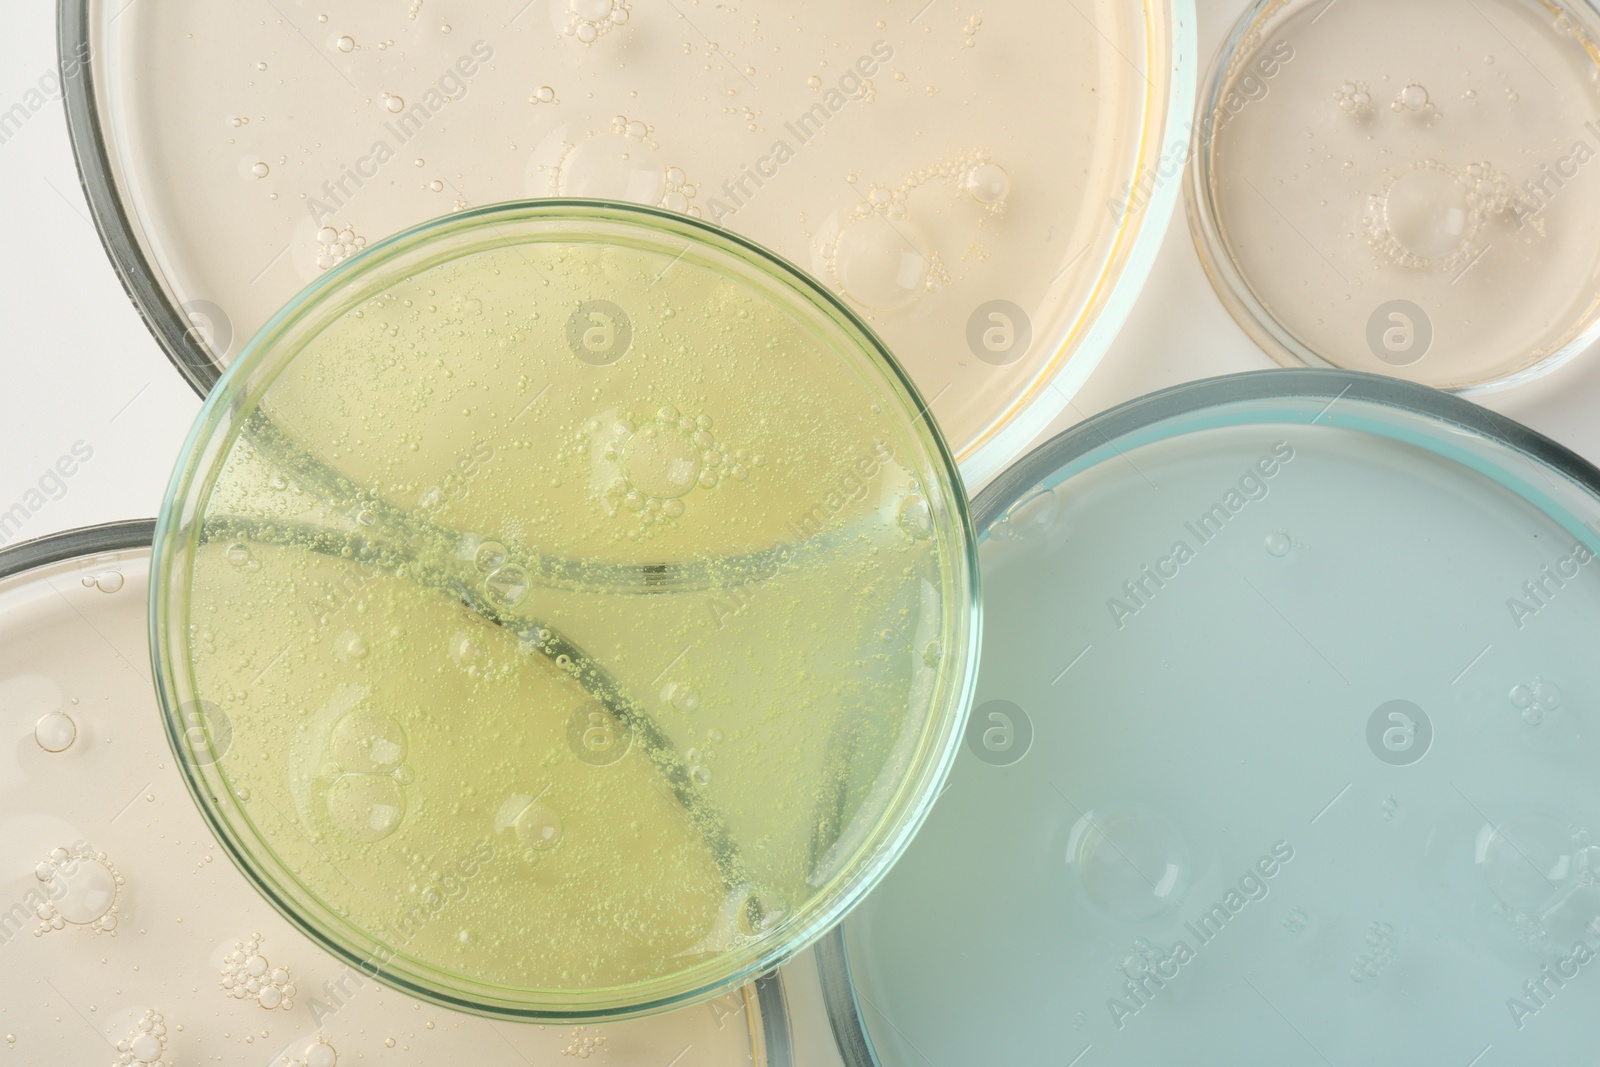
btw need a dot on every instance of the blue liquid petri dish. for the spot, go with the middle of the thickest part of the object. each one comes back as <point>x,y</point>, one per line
<point>113,880</point>
<point>1283,749</point>
<point>988,189</point>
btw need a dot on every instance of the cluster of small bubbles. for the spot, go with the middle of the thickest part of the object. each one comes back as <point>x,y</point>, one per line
<point>1031,516</point>
<point>1382,948</point>
<point>1390,808</point>
<point>1138,962</point>
<point>680,191</point>
<point>147,1045</point>
<point>1279,543</point>
<point>1296,920</point>
<point>970,30</point>
<point>55,731</point>
<point>1535,700</point>
<point>239,120</point>
<point>880,257</point>
<point>915,517</point>
<point>761,912</point>
<point>1355,98</point>
<point>1431,215</point>
<point>584,1042</point>
<point>336,246</point>
<point>684,698</point>
<point>660,462</point>
<point>814,83</point>
<point>1079,1020</point>
<point>589,20</point>
<point>82,889</point>
<point>365,775</point>
<point>246,975</point>
<point>1413,97</point>
<point>543,95</point>
<point>105,581</point>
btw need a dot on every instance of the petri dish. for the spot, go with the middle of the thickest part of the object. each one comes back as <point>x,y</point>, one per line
<point>130,938</point>
<point>986,188</point>
<point>590,535</point>
<point>1403,188</point>
<point>1281,751</point>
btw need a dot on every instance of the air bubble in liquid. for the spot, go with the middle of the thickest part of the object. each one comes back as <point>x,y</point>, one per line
<point>916,517</point>
<point>539,827</point>
<point>366,807</point>
<point>367,742</point>
<point>55,732</point>
<point>1427,211</point>
<point>613,166</point>
<point>346,44</point>
<point>881,264</point>
<point>661,460</point>
<point>1132,862</point>
<point>988,183</point>
<point>762,912</point>
<point>508,585</point>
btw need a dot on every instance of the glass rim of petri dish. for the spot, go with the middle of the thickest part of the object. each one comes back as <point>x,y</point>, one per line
<point>26,561</point>
<point>1230,281</point>
<point>403,257</point>
<point>1148,199</point>
<point>1442,423</point>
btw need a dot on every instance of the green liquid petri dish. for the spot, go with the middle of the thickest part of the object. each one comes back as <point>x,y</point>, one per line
<point>1283,749</point>
<point>1406,189</point>
<point>592,601</point>
<point>986,189</point>
<point>111,870</point>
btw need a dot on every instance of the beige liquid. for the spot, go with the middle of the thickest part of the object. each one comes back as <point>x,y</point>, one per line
<point>1371,153</point>
<point>922,163</point>
<point>89,771</point>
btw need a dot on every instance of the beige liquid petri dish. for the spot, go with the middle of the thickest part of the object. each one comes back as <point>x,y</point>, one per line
<point>985,186</point>
<point>1406,188</point>
<point>128,936</point>
<point>592,562</point>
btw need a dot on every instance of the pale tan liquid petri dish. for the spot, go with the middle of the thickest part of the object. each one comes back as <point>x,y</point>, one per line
<point>1406,188</point>
<point>129,937</point>
<point>985,186</point>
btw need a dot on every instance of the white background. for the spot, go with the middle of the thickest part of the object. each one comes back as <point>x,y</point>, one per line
<point>78,364</point>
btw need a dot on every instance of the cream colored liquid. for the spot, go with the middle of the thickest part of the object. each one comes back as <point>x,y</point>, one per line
<point>923,163</point>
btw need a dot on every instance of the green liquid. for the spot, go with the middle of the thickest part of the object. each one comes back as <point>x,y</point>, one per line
<point>581,677</point>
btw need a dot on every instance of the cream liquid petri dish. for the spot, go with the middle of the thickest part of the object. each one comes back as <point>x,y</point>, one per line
<point>1405,188</point>
<point>1283,750</point>
<point>590,536</point>
<point>986,185</point>
<point>128,936</point>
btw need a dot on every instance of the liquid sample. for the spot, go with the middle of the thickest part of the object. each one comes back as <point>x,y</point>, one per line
<point>924,165</point>
<point>113,833</point>
<point>633,617</point>
<point>1250,767</point>
<point>1405,188</point>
